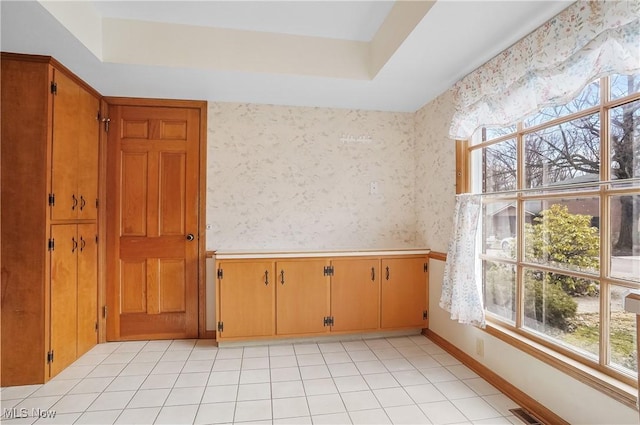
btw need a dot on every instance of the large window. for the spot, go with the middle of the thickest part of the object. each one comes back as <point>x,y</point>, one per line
<point>560,239</point>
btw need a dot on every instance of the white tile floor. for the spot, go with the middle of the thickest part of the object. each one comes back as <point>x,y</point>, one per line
<point>402,380</point>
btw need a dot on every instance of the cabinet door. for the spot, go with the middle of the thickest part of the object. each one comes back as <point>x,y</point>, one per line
<point>64,163</point>
<point>355,294</point>
<point>87,288</point>
<point>404,292</point>
<point>246,291</point>
<point>88,135</point>
<point>63,296</point>
<point>302,293</point>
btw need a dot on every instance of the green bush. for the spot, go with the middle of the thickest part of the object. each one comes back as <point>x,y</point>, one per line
<point>547,302</point>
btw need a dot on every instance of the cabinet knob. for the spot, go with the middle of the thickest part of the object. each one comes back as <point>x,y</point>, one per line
<point>190,237</point>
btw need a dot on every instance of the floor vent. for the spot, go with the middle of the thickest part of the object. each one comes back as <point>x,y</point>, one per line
<point>525,417</point>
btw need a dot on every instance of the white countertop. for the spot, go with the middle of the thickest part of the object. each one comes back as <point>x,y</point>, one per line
<point>236,255</point>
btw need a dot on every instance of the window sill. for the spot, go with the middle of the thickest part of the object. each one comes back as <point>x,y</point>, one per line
<point>614,388</point>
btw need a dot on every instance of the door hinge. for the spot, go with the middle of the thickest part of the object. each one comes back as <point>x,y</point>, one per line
<point>51,245</point>
<point>328,271</point>
<point>425,315</point>
<point>106,122</point>
<point>52,199</point>
<point>104,311</point>
<point>328,321</point>
<point>220,273</point>
<point>50,357</point>
<point>426,267</point>
<point>54,87</point>
<point>220,326</point>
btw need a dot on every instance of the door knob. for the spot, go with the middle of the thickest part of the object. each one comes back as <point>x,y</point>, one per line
<point>190,237</point>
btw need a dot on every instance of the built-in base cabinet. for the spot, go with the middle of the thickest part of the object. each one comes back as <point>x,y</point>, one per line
<point>291,297</point>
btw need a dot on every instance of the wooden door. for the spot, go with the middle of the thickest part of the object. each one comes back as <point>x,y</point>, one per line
<point>64,164</point>
<point>87,154</point>
<point>302,293</point>
<point>87,288</point>
<point>355,294</point>
<point>152,222</point>
<point>63,295</point>
<point>404,292</point>
<point>246,298</point>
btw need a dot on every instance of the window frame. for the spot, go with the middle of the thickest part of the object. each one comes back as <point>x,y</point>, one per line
<point>599,374</point>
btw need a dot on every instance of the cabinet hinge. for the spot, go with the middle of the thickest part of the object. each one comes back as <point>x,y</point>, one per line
<point>220,273</point>
<point>426,267</point>
<point>96,326</point>
<point>328,271</point>
<point>52,199</point>
<point>51,245</point>
<point>54,87</point>
<point>104,311</point>
<point>98,116</point>
<point>50,356</point>
<point>220,326</point>
<point>96,239</point>
<point>106,122</point>
<point>425,315</point>
<point>97,202</point>
<point>328,321</point>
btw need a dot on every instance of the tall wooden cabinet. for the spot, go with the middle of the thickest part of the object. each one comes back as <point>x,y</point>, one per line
<point>50,146</point>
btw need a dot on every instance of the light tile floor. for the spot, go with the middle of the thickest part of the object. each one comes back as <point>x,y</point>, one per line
<point>400,380</point>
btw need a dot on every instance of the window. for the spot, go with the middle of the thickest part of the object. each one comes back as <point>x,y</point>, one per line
<point>560,229</point>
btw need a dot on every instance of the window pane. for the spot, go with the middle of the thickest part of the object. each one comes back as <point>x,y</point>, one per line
<point>622,333</point>
<point>625,141</point>
<point>499,228</point>
<point>590,96</point>
<point>624,85</point>
<point>490,133</point>
<point>625,237</point>
<point>564,233</point>
<point>566,153</point>
<point>499,166</point>
<point>572,321</point>
<point>500,289</point>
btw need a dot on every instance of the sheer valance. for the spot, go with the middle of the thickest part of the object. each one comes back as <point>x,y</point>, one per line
<point>551,65</point>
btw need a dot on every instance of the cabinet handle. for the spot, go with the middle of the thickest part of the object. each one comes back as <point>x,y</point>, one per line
<point>282,277</point>
<point>387,272</point>
<point>83,202</point>
<point>74,244</point>
<point>83,243</point>
<point>373,273</point>
<point>266,277</point>
<point>75,202</point>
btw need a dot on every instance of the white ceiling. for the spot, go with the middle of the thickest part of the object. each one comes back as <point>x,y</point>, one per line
<point>452,39</point>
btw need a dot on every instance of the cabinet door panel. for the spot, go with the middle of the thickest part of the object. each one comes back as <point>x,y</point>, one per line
<point>88,136</point>
<point>404,292</point>
<point>303,297</point>
<point>247,298</point>
<point>87,288</point>
<point>355,294</point>
<point>65,149</point>
<point>64,296</point>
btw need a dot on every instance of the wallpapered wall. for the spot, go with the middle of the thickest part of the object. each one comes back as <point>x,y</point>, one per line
<point>298,178</point>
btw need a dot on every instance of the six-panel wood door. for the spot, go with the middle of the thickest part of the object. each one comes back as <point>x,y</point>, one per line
<point>247,298</point>
<point>302,292</point>
<point>404,292</point>
<point>152,222</point>
<point>355,294</point>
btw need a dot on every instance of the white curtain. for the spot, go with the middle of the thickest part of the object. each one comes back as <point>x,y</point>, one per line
<point>588,40</point>
<point>462,285</point>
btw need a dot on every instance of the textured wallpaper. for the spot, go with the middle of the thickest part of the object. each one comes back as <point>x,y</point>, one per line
<point>435,173</point>
<point>298,178</point>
